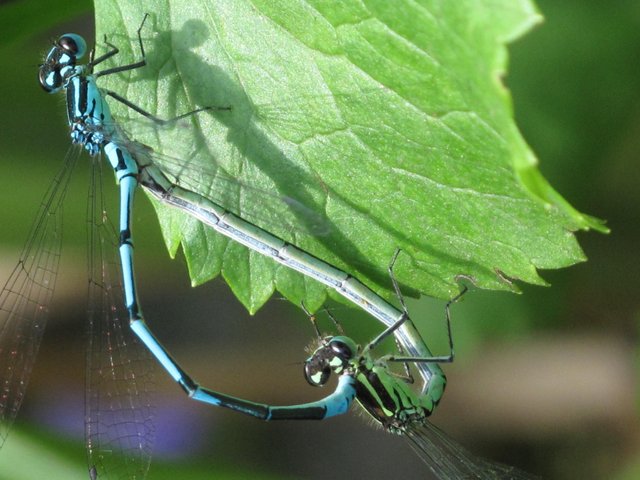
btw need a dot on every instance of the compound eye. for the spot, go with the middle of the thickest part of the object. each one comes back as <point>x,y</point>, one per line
<point>73,44</point>
<point>341,349</point>
<point>50,79</point>
<point>316,374</point>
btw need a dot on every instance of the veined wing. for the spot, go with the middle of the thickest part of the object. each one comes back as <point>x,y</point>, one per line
<point>119,427</point>
<point>25,298</point>
<point>180,151</point>
<point>254,159</point>
<point>268,146</point>
<point>449,460</point>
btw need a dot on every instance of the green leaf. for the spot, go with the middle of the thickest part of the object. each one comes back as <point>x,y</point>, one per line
<point>387,120</point>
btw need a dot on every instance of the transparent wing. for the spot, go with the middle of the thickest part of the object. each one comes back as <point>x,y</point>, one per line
<point>254,158</point>
<point>255,204</point>
<point>25,298</point>
<point>119,425</point>
<point>449,460</point>
<point>180,151</point>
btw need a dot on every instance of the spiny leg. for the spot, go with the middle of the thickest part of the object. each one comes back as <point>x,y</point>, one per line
<point>407,377</point>
<point>95,61</point>
<point>115,50</point>
<point>405,313</point>
<point>152,117</point>
<point>405,317</point>
<point>335,321</point>
<point>314,321</point>
<point>133,66</point>
<point>438,359</point>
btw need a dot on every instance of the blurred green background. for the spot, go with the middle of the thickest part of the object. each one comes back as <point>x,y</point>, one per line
<point>546,380</point>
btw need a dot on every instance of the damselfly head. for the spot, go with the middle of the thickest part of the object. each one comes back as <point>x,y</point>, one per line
<point>60,61</point>
<point>334,355</point>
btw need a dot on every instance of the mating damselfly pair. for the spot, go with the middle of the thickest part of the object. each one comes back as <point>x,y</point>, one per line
<point>117,432</point>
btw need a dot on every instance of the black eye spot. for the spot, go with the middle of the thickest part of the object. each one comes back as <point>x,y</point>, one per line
<point>341,349</point>
<point>69,44</point>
